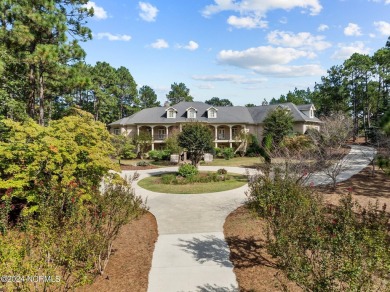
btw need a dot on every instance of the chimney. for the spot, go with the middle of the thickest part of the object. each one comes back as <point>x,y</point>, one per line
<point>166,104</point>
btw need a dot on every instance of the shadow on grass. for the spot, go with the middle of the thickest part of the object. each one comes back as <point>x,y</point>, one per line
<point>208,249</point>
<point>246,253</point>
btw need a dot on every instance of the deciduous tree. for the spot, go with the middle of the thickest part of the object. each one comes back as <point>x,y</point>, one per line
<point>196,138</point>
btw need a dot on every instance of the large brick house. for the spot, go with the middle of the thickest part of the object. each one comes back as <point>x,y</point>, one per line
<point>225,122</point>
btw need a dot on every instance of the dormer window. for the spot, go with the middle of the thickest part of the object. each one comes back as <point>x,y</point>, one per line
<point>171,113</point>
<point>212,113</point>
<point>191,113</point>
<point>311,113</point>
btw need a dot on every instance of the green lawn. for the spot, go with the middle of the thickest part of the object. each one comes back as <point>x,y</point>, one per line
<point>134,162</point>
<point>248,162</point>
<point>154,184</point>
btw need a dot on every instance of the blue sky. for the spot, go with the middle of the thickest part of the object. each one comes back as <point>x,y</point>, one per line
<point>241,50</point>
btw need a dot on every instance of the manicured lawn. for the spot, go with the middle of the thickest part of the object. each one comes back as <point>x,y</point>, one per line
<point>154,184</point>
<point>248,162</point>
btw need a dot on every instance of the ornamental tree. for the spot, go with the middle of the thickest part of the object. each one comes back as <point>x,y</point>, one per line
<point>197,139</point>
<point>278,124</point>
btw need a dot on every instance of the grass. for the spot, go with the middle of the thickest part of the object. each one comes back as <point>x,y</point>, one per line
<point>162,163</point>
<point>153,183</point>
<point>247,162</point>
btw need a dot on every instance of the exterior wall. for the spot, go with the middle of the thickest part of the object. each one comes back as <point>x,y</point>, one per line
<point>311,126</point>
<point>131,131</point>
<point>299,128</point>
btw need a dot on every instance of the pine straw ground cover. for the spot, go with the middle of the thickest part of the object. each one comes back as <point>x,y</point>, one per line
<point>129,265</point>
<point>244,231</point>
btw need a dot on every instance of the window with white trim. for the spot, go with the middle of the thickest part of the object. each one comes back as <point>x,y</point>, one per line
<point>171,114</point>
<point>117,131</point>
<point>191,114</point>
<point>212,113</point>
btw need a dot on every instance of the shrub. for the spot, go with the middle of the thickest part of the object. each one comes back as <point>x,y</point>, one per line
<point>254,148</point>
<point>143,163</point>
<point>222,171</point>
<point>157,155</point>
<point>218,152</point>
<point>168,179</point>
<point>228,153</point>
<point>188,170</point>
<point>321,248</point>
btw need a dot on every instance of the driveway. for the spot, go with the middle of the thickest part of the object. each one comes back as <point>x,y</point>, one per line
<point>191,253</point>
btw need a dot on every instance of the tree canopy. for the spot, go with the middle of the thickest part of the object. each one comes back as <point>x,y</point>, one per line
<point>179,92</point>
<point>196,138</point>
<point>216,101</point>
<point>278,124</point>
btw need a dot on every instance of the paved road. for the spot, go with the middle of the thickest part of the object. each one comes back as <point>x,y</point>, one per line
<point>191,253</point>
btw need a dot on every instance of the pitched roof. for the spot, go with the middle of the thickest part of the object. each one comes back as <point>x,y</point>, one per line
<point>226,114</point>
<point>259,113</point>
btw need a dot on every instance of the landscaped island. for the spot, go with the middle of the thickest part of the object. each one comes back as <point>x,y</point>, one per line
<point>188,180</point>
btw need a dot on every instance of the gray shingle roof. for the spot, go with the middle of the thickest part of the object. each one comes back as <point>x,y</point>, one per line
<point>225,114</point>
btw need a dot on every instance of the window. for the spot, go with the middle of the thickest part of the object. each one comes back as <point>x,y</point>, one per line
<point>311,113</point>
<point>171,114</point>
<point>191,114</point>
<point>221,134</point>
<point>117,131</point>
<point>212,112</point>
<point>161,134</point>
<point>234,132</point>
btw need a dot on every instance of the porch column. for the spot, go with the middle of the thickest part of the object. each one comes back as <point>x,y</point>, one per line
<point>138,135</point>
<point>152,137</point>
<point>167,128</point>
<point>231,132</point>
<point>216,135</point>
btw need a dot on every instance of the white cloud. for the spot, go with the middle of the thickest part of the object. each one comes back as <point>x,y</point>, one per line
<point>378,1</point>
<point>352,29</point>
<point>346,50</point>
<point>252,12</point>
<point>283,20</point>
<point>246,22</point>
<point>291,71</point>
<point>99,12</point>
<point>206,86</point>
<point>160,44</point>
<point>260,7</point>
<point>148,11</point>
<point>191,46</point>
<point>113,37</point>
<point>261,56</point>
<point>301,39</point>
<point>323,27</point>
<point>217,77</point>
<point>383,27</point>
<point>270,60</point>
<point>232,78</point>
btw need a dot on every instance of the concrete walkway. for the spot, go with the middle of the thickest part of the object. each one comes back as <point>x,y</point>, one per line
<point>191,253</point>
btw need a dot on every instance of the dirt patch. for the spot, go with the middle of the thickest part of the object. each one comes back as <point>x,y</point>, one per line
<point>129,265</point>
<point>254,267</point>
<point>365,187</point>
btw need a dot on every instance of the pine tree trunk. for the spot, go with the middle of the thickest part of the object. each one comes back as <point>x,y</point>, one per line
<point>41,100</point>
<point>31,97</point>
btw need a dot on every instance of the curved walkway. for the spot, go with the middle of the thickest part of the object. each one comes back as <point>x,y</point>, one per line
<point>191,253</point>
